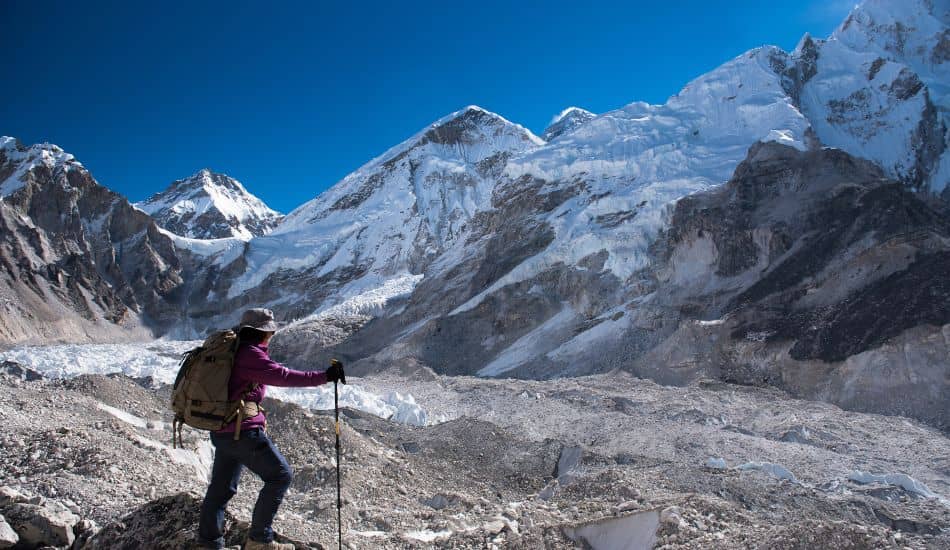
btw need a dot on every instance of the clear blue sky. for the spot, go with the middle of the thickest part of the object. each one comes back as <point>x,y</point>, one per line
<point>289,97</point>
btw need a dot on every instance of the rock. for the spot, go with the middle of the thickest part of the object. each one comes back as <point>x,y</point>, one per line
<point>48,525</point>
<point>438,502</point>
<point>17,370</point>
<point>8,537</point>
<point>627,506</point>
<point>9,495</point>
<point>549,490</point>
<point>672,517</point>
<point>494,526</point>
<point>84,530</point>
<point>165,523</point>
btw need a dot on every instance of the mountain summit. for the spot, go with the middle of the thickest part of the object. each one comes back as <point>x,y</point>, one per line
<point>566,121</point>
<point>209,205</point>
<point>387,221</point>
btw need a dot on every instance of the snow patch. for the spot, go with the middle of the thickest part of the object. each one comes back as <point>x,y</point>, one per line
<point>427,535</point>
<point>569,111</point>
<point>126,417</point>
<point>903,481</point>
<point>158,359</point>
<point>775,470</point>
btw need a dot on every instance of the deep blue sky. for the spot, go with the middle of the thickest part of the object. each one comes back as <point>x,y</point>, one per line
<point>289,98</point>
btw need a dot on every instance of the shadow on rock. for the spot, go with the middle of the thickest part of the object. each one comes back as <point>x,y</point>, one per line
<point>169,523</point>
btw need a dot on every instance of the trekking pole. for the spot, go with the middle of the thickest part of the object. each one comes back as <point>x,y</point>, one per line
<point>339,499</point>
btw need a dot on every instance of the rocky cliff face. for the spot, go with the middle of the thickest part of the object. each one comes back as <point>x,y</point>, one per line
<point>810,271</point>
<point>79,262</point>
<point>209,205</point>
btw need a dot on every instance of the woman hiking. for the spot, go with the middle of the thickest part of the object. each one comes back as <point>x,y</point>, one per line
<point>252,372</point>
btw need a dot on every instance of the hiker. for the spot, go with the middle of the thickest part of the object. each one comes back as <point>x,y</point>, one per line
<point>248,445</point>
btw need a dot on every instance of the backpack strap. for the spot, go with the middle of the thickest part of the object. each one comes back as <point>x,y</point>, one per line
<point>244,409</point>
<point>177,423</point>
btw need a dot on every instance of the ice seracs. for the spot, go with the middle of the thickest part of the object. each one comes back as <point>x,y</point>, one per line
<point>209,205</point>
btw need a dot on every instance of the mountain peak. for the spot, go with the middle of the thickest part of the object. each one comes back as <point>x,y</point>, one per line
<point>25,158</point>
<point>572,112</point>
<point>210,205</point>
<point>469,125</point>
<point>566,121</point>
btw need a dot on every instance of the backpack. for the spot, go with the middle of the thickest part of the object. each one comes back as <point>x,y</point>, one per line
<point>200,394</point>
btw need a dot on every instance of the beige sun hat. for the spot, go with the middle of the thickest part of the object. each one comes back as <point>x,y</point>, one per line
<point>258,318</point>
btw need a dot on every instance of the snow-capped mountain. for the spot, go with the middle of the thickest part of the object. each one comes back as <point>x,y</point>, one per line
<point>559,276</point>
<point>877,88</point>
<point>77,261</point>
<point>209,205</point>
<point>913,33</point>
<point>566,121</point>
<point>385,222</point>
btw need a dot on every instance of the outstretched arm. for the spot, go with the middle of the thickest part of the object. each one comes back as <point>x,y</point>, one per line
<point>261,369</point>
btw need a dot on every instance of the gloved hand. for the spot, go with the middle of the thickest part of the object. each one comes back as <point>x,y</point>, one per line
<point>335,372</point>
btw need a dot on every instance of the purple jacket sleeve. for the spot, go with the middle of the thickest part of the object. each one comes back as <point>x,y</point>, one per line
<point>261,369</point>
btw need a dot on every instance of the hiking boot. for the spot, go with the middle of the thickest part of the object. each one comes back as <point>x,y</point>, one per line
<point>254,545</point>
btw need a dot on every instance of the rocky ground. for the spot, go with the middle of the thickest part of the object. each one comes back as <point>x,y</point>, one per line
<point>609,461</point>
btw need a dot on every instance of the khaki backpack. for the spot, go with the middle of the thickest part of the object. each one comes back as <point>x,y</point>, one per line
<point>200,394</point>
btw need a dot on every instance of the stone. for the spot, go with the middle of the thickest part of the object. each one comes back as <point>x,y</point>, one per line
<point>8,537</point>
<point>84,530</point>
<point>9,495</point>
<point>672,516</point>
<point>42,525</point>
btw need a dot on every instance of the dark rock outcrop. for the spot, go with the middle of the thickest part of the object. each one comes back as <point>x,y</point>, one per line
<point>821,267</point>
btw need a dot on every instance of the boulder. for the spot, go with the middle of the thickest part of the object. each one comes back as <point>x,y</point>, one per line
<point>48,525</point>
<point>8,537</point>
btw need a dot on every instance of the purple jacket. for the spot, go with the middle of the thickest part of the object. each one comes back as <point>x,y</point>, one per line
<point>252,365</point>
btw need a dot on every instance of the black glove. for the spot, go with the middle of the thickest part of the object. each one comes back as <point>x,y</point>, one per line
<point>335,372</point>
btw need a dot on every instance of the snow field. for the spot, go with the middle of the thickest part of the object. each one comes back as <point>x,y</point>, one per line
<point>159,360</point>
